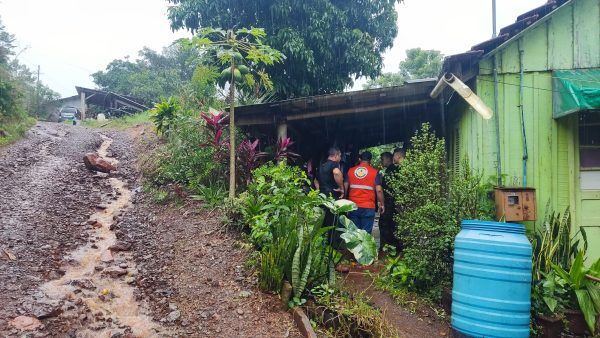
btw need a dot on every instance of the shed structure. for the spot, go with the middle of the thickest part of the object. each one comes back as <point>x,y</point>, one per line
<point>349,120</point>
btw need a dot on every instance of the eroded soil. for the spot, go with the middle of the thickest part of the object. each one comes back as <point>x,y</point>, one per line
<point>84,254</point>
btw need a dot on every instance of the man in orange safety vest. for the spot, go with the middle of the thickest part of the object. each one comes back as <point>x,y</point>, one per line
<point>364,187</point>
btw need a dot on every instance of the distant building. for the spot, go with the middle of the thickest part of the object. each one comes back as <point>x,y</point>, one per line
<point>90,102</point>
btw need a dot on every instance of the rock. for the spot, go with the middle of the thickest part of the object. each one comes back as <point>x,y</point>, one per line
<point>172,306</point>
<point>97,326</point>
<point>94,162</point>
<point>123,265</point>
<point>97,224</point>
<point>240,312</point>
<point>173,316</point>
<point>25,323</point>
<point>106,257</point>
<point>83,283</point>
<point>120,246</point>
<point>10,255</point>
<point>114,272</point>
<point>245,294</point>
<point>100,175</point>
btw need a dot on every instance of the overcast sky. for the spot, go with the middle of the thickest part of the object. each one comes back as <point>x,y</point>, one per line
<point>70,39</point>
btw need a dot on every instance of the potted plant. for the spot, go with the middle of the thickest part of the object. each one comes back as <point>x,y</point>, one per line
<point>583,294</point>
<point>549,300</point>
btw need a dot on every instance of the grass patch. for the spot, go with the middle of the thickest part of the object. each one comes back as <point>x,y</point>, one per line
<point>340,314</point>
<point>406,298</point>
<point>124,122</point>
<point>12,130</point>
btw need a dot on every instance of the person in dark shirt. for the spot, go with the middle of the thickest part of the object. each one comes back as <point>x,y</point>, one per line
<point>398,157</point>
<point>330,177</point>
<point>331,183</point>
<point>387,226</point>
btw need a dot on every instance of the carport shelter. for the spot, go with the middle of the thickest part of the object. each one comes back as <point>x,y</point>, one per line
<point>350,120</point>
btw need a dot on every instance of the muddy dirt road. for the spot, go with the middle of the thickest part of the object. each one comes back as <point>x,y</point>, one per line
<point>86,254</point>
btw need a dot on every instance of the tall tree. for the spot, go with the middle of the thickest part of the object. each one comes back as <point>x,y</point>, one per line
<point>328,43</point>
<point>419,64</point>
<point>242,55</point>
<point>20,92</point>
<point>153,74</point>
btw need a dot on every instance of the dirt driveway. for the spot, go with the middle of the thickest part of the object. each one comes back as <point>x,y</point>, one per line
<point>84,254</point>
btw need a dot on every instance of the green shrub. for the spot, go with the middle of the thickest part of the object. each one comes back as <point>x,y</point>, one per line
<point>469,196</point>
<point>285,223</point>
<point>182,160</point>
<point>164,114</point>
<point>277,190</point>
<point>426,225</point>
<point>430,207</point>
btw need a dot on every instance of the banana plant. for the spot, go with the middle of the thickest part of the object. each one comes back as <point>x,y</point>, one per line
<point>586,291</point>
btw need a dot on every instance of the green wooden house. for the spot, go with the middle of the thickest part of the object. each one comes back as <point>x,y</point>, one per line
<point>546,99</point>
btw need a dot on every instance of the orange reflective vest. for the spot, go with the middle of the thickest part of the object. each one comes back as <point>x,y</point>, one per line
<point>361,180</point>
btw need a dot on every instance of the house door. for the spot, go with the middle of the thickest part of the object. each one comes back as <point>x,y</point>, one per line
<point>589,179</point>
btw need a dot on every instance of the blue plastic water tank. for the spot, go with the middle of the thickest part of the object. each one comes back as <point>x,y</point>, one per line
<point>492,280</point>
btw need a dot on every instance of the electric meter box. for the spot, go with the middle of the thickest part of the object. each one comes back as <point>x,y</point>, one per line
<point>515,204</point>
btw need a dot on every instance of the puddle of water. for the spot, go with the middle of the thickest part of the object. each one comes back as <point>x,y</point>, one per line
<point>122,308</point>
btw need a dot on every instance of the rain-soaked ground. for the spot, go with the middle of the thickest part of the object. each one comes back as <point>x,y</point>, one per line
<point>83,255</point>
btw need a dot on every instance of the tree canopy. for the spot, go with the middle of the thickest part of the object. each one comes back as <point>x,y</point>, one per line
<point>157,74</point>
<point>328,43</point>
<point>419,64</point>
<point>20,92</point>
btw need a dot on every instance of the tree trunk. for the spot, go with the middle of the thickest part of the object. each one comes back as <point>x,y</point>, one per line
<point>232,133</point>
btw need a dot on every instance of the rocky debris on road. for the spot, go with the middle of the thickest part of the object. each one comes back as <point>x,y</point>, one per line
<point>106,257</point>
<point>196,282</point>
<point>25,323</point>
<point>114,272</point>
<point>48,196</point>
<point>120,246</point>
<point>94,162</point>
<point>83,284</point>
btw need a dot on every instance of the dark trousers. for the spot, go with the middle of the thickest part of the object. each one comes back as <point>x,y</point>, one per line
<point>387,230</point>
<point>363,218</point>
<point>333,236</point>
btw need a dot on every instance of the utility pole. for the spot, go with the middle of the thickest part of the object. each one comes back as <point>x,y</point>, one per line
<point>37,94</point>
<point>496,113</point>
<point>493,18</point>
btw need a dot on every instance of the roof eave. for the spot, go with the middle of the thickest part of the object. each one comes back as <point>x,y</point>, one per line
<point>525,31</point>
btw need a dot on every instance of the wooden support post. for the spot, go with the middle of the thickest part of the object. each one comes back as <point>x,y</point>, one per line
<point>83,105</point>
<point>281,129</point>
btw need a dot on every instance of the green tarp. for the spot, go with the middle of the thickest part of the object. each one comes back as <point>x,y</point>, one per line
<point>575,90</point>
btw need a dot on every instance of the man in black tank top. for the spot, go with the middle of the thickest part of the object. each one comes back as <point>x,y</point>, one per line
<point>331,179</point>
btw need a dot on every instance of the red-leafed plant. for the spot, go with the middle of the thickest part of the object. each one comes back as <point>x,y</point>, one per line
<point>248,159</point>
<point>218,140</point>
<point>216,124</point>
<point>283,152</point>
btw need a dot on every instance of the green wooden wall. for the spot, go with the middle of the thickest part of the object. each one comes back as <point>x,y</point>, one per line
<point>568,39</point>
<point>547,139</point>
